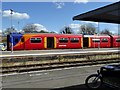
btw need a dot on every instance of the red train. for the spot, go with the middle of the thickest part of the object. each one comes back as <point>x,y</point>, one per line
<point>59,41</point>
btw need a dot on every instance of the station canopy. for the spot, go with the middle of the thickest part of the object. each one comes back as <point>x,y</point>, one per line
<point>107,14</point>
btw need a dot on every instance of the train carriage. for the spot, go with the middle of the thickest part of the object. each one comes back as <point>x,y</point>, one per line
<point>93,41</point>
<point>43,41</point>
<point>60,41</point>
<point>116,41</point>
<point>14,40</point>
<point>69,41</point>
<point>33,41</point>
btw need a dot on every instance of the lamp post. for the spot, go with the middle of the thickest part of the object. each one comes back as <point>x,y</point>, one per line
<point>18,25</point>
<point>11,29</point>
<point>11,16</point>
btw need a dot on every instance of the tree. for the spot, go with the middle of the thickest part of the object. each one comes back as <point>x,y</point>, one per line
<point>66,30</point>
<point>87,29</point>
<point>106,32</point>
<point>29,28</point>
<point>52,32</point>
<point>42,31</point>
<point>34,28</point>
<point>9,30</point>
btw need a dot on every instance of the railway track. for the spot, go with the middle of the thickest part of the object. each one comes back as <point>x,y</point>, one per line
<point>34,63</point>
<point>54,65</point>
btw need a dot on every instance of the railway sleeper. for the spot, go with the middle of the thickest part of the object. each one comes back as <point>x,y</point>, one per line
<point>57,66</point>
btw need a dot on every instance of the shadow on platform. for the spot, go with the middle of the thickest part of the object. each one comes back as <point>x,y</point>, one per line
<point>76,87</point>
<point>82,87</point>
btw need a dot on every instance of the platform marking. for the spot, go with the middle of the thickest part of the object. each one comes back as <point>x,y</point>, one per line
<point>76,52</point>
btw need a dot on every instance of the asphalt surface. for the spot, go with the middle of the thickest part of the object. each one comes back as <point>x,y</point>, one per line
<point>75,87</point>
<point>68,78</point>
<point>83,87</point>
<point>59,79</point>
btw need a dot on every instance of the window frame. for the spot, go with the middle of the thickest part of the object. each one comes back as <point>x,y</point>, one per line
<point>35,39</point>
<point>95,40</point>
<point>74,40</point>
<point>62,40</point>
<point>16,40</point>
<point>117,40</point>
<point>102,40</point>
<point>22,39</point>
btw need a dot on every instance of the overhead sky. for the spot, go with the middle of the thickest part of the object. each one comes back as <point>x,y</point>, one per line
<point>52,15</point>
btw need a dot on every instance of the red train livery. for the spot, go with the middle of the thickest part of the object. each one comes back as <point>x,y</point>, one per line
<point>59,41</point>
<point>43,41</point>
<point>115,41</point>
<point>93,41</point>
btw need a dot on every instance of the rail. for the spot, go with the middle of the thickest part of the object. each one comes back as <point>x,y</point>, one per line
<point>26,64</point>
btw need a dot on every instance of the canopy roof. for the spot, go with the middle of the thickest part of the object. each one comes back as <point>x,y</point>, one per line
<point>108,14</point>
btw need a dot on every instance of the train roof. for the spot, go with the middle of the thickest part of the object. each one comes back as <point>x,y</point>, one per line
<point>51,34</point>
<point>116,36</point>
<point>96,36</point>
<point>43,34</point>
<point>15,34</point>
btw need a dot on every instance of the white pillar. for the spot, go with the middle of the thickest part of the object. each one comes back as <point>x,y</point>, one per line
<point>11,44</point>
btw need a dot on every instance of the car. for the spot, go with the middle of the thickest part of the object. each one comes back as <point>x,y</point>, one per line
<point>111,75</point>
<point>2,47</point>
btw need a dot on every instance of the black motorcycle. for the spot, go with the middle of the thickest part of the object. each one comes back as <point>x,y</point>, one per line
<point>109,75</point>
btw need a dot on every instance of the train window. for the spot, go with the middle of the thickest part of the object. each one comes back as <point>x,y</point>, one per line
<point>74,40</point>
<point>22,39</point>
<point>117,39</point>
<point>35,40</point>
<point>96,40</point>
<point>63,40</point>
<point>104,39</point>
<point>16,40</point>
